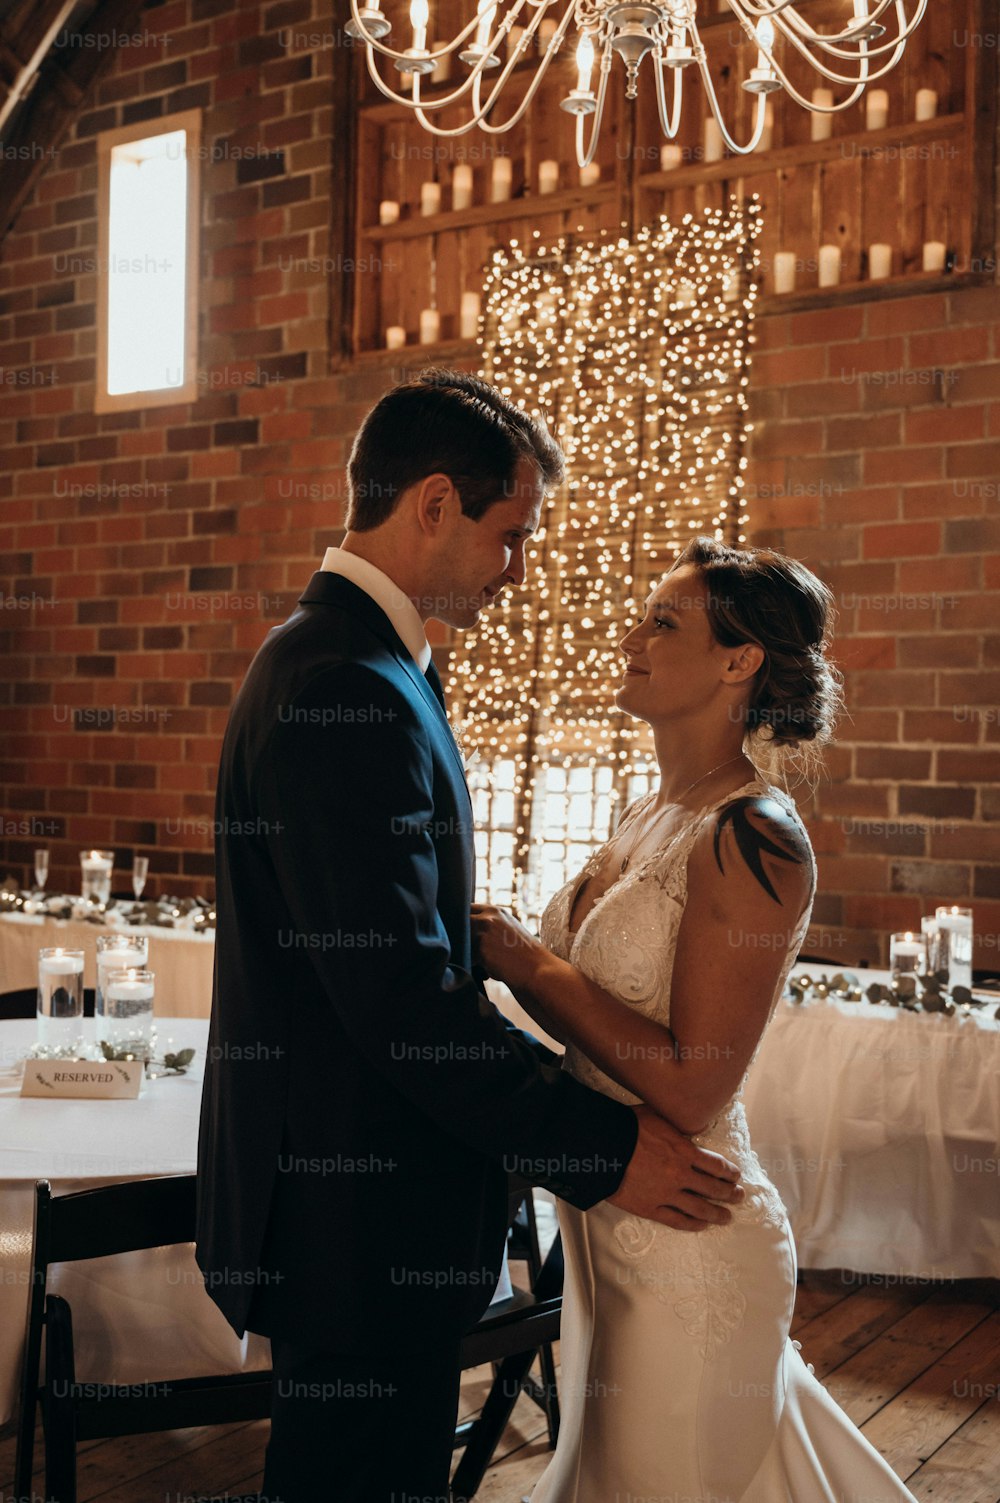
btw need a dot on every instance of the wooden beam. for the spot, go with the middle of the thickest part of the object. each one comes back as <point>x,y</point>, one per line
<point>26,49</point>
<point>48,113</point>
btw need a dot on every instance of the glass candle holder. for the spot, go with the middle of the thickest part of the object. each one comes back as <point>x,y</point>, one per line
<point>128,1011</point>
<point>60,1001</point>
<point>95,875</point>
<point>954,926</point>
<point>906,954</point>
<point>115,952</point>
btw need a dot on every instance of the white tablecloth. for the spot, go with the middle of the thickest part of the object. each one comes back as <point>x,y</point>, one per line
<point>880,1128</point>
<point>140,1316</point>
<point>182,961</point>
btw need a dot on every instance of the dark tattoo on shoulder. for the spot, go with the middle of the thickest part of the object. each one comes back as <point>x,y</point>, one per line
<point>752,842</point>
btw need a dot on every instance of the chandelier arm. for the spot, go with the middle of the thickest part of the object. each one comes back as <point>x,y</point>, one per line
<point>669,127</point>
<point>834,45</point>
<point>595,129</point>
<point>774,10</point>
<point>549,55</point>
<point>373,44</point>
<point>706,78</point>
<point>898,41</point>
<point>413,100</point>
<point>858,83</point>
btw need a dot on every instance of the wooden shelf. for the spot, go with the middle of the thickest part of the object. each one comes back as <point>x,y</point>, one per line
<point>529,206</point>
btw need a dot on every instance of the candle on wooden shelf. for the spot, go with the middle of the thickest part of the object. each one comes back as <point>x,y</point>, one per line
<point>470,315</point>
<point>548,176</point>
<point>821,126</point>
<point>671,156</point>
<point>442,68</point>
<point>926,104</point>
<point>784,271</point>
<point>546,31</point>
<point>514,37</point>
<point>500,181</point>
<point>395,337</point>
<point>388,211</point>
<point>829,265</point>
<point>879,261</point>
<point>877,109</point>
<point>767,134</point>
<point>430,198</point>
<point>935,252</point>
<point>713,142</point>
<point>590,174</point>
<point>731,287</point>
<point>461,186</point>
<point>430,326</point>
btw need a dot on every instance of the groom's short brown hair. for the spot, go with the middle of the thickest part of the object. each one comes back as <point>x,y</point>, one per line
<point>450,422</point>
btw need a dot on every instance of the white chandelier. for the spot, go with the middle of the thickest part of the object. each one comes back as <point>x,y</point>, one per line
<point>855,54</point>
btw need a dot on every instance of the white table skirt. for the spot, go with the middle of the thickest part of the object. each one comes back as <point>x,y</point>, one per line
<point>137,1317</point>
<point>181,961</point>
<point>881,1130</point>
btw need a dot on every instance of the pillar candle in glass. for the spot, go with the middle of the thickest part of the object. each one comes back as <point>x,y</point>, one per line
<point>929,933</point>
<point>906,954</point>
<point>926,104</point>
<point>461,186</point>
<point>820,125</point>
<point>879,261</point>
<point>877,109</point>
<point>115,952</point>
<point>430,198</point>
<point>128,1011</point>
<point>470,315</point>
<point>95,873</point>
<point>500,179</point>
<point>784,271</point>
<point>59,1006</point>
<point>955,931</point>
<point>934,255</point>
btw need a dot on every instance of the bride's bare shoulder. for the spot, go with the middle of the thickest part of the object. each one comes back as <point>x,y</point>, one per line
<point>755,844</point>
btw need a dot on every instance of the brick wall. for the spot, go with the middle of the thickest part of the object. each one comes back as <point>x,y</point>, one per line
<point>144,555</point>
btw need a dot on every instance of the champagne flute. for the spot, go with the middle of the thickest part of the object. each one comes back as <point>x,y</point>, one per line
<point>41,869</point>
<point>140,870</point>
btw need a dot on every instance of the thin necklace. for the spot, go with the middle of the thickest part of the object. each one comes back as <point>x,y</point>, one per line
<point>628,854</point>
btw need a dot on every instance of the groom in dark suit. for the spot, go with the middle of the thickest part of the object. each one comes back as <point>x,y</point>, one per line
<point>363,1100</point>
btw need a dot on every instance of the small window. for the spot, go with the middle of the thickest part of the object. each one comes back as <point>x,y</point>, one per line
<point>147,282</point>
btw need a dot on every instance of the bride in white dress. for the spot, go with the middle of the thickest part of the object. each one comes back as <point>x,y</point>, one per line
<point>659,967</point>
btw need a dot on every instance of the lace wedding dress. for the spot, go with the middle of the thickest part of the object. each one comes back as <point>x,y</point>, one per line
<point>679,1382</point>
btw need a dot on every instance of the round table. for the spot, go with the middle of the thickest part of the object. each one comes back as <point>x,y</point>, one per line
<point>181,960</point>
<point>136,1311</point>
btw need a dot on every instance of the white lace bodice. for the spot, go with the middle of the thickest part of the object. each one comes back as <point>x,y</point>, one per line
<point>626,944</point>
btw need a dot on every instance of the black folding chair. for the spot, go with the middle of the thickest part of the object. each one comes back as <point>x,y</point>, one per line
<point>24,1002</point>
<point>161,1212</point>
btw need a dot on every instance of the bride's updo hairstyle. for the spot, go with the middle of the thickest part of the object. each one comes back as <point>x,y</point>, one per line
<point>758,595</point>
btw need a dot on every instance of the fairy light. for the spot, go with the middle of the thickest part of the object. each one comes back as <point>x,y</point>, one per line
<point>637,355</point>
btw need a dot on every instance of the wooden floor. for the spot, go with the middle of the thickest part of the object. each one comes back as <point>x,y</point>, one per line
<point>917,1366</point>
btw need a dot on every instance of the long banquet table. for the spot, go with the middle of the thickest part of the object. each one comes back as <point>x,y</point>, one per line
<point>181,960</point>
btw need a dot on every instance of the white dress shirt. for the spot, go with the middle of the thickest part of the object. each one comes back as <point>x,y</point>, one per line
<point>388,596</point>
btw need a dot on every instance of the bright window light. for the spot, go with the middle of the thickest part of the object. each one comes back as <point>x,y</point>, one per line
<point>147,264</point>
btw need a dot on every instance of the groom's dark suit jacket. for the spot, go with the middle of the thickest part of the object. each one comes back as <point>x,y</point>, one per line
<point>362,1097</point>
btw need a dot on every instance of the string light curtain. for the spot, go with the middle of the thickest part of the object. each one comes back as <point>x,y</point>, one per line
<point>636,352</point>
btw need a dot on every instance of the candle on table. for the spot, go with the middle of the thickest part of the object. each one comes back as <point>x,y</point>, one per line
<point>62,963</point>
<point>395,337</point>
<point>906,953</point>
<point>430,198</point>
<point>470,315</point>
<point>430,326</point>
<point>821,126</point>
<point>829,265</point>
<point>877,109</point>
<point>935,252</point>
<point>955,929</point>
<point>388,211</point>
<point>500,181</point>
<point>548,176</point>
<point>784,271</point>
<point>879,261</point>
<point>926,104</point>
<point>713,142</point>
<point>130,991</point>
<point>461,186</point>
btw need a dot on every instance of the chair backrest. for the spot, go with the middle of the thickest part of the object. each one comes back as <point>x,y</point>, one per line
<point>23,1003</point>
<point>113,1219</point>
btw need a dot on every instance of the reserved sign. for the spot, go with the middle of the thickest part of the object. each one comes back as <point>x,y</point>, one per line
<point>103,1080</point>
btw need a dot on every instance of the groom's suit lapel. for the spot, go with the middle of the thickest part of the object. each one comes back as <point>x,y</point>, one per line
<point>326,588</point>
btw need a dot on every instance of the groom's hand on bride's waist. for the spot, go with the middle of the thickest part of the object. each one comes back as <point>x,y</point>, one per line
<point>670,1180</point>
